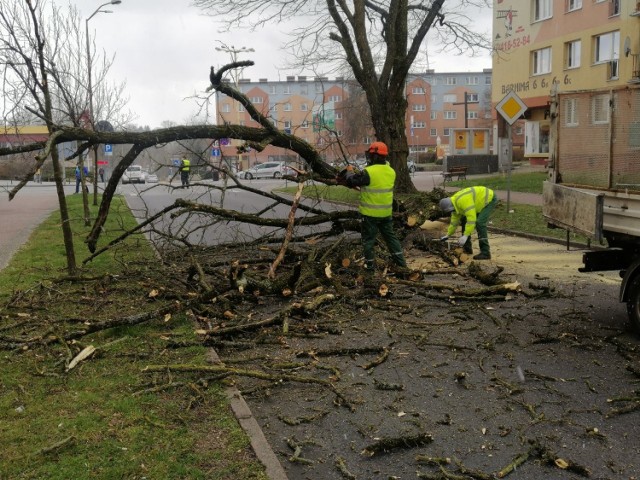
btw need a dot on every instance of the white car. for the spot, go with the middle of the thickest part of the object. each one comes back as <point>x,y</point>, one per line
<point>151,178</point>
<point>266,170</point>
<point>134,174</point>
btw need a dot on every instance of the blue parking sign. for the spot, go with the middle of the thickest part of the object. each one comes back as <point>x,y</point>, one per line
<point>108,149</point>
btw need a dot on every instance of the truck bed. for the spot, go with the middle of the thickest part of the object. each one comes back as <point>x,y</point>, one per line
<point>590,211</point>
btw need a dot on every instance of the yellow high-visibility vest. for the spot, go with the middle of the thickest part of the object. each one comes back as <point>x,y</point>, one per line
<point>376,199</point>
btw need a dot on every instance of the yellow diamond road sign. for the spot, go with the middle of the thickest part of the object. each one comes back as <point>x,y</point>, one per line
<point>511,107</point>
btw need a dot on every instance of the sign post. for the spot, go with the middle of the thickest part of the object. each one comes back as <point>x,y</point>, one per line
<point>511,108</point>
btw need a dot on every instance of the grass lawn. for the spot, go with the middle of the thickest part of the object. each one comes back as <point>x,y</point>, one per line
<point>106,418</point>
<point>529,182</point>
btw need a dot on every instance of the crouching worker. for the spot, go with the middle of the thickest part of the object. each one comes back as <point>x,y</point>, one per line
<point>376,183</point>
<point>470,208</point>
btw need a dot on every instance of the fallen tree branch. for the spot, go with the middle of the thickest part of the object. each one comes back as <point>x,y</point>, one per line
<point>385,445</point>
<point>288,232</point>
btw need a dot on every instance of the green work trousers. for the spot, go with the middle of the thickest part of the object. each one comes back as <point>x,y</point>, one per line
<point>481,227</point>
<point>370,228</point>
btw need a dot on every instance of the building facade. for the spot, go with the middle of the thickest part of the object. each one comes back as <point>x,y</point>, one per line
<point>332,115</point>
<point>587,46</point>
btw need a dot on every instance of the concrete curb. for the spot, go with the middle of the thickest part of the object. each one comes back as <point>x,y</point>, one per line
<point>249,424</point>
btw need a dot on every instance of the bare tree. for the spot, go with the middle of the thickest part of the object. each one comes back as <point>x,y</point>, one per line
<point>379,39</point>
<point>44,79</point>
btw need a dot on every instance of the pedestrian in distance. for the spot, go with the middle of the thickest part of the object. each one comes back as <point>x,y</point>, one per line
<point>85,170</point>
<point>376,182</point>
<point>38,176</point>
<point>101,173</point>
<point>470,208</point>
<point>185,167</point>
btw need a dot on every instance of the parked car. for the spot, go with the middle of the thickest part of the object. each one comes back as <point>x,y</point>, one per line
<point>266,170</point>
<point>151,178</point>
<point>411,165</point>
<point>134,174</point>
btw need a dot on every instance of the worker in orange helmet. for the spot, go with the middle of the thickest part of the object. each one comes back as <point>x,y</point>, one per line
<point>376,184</point>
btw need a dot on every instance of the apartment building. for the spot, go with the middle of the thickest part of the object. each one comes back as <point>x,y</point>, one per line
<point>589,46</point>
<point>332,115</point>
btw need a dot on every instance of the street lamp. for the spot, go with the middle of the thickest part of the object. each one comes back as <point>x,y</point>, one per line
<point>233,52</point>
<point>91,119</point>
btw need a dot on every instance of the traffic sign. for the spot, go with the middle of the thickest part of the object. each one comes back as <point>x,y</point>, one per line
<point>108,149</point>
<point>103,162</point>
<point>511,107</point>
<point>215,152</point>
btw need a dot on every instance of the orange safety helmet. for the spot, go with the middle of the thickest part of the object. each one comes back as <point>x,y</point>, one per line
<point>378,147</point>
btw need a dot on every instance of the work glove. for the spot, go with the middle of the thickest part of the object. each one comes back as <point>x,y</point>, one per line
<point>349,168</point>
<point>445,238</point>
<point>462,240</point>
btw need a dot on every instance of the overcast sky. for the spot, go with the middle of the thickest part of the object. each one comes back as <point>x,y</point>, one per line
<point>164,48</point>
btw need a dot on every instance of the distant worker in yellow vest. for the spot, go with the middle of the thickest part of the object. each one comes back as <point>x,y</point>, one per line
<point>185,167</point>
<point>376,183</point>
<point>470,208</point>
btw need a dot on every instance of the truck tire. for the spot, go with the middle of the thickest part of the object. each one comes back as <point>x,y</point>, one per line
<point>633,304</point>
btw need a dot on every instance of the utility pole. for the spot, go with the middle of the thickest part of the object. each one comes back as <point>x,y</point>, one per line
<point>466,108</point>
<point>233,52</point>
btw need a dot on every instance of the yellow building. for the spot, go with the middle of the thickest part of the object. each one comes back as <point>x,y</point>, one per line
<point>576,45</point>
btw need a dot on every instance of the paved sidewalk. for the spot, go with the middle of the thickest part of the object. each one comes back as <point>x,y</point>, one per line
<point>24,213</point>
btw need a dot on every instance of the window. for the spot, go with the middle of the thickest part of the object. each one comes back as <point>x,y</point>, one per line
<point>304,107</point>
<point>335,98</point>
<point>241,108</point>
<point>542,9</point>
<point>287,124</point>
<point>572,52</point>
<point>571,112</point>
<point>273,107</point>
<point>450,81</point>
<point>472,80</point>
<point>273,90</point>
<point>607,47</point>
<point>447,132</point>
<point>433,132</point>
<point>472,115</point>
<point>472,97</point>
<point>573,5</point>
<point>419,108</point>
<point>450,98</point>
<point>304,89</point>
<point>600,109</point>
<point>226,108</point>
<point>614,8</point>
<point>287,107</point>
<point>256,100</point>
<point>541,61</point>
<point>450,115</point>
<point>286,90</point>
<point>338,115</point>
<point>419,125</point>
<point>487,80</point>
<point>434,115</point>
<point>418,90</point>
<point>305,124</point>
